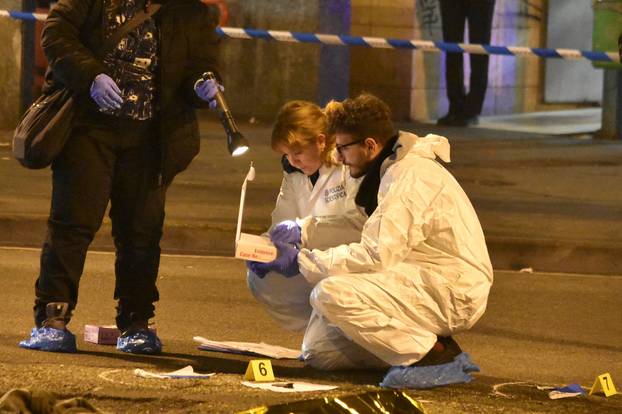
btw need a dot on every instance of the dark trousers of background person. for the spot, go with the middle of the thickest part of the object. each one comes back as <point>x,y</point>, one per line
<point>106,159</point>
<point>479,14</point>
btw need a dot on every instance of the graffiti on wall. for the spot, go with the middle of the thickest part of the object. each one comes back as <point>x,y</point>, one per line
<point>429,17</point>
<point>518,14</point>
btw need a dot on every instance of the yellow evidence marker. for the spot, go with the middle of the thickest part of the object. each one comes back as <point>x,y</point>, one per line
<point>259,370</point>
<point>604,383</point>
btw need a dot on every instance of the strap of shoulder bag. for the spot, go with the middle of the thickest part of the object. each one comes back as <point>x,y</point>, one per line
<point>128,26</point>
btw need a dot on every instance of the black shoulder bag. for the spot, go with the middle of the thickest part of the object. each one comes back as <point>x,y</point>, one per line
<point>43,130</point>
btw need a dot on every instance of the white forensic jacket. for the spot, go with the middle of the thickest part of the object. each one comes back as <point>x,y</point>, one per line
<point>332,195</point>
<point>287,299</point>
<point>424,230</point>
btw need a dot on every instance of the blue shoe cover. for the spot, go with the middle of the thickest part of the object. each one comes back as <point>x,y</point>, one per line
<point>140,342</point>
<point>50,340</point>
<point>431,376</point>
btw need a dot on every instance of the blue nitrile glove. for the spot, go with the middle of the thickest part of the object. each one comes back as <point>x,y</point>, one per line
<point>287,231</point>
<point>206,90</point>
<point>258,268</point>
<point>287,261</point>
<point>105,92</point>
<point>430,376</point>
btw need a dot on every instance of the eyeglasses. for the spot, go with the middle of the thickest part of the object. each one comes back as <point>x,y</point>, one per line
<point>340,148</point>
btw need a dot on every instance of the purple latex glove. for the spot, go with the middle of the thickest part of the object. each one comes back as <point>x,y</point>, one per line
<point>287,231</point>
<point>258,268</point>
<point>287,261</point>
<point>206,90</point>
<point>105,92</point>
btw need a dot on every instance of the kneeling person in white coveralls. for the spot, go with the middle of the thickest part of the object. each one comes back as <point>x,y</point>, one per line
<point>314,185</point>
<point>420,271</point>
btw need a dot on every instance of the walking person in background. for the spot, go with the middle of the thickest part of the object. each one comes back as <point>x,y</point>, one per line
<point>465,108</point>
<point>134,131</point>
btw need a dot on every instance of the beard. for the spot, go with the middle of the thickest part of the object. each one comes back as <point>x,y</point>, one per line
<point>356,173</point>
<point>360,169</point>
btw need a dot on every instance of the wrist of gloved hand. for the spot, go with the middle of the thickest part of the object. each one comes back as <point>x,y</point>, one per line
<point>259,269</point>
<point>287,231</point>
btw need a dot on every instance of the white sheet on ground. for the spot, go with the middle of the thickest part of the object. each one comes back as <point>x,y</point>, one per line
<point>289,386</point>
<point>247,348</point>
<point>186,372</point>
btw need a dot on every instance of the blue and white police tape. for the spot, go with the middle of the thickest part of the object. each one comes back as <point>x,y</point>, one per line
<point>387,43</point>
<point>424,45</point>
<point>22,15</point>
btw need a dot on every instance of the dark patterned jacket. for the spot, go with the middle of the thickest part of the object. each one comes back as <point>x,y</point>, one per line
<point>74,32</point>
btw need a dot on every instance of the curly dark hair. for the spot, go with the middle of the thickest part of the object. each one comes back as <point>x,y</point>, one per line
<point>365,116</point>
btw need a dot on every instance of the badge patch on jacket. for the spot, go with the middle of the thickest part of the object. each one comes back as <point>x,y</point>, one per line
<point>335,193</point>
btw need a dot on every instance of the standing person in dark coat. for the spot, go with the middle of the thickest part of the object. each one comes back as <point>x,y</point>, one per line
<point>464,108</point>
<point>134,131</point>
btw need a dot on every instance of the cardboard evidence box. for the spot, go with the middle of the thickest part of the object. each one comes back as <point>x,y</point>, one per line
<point>257,248</point>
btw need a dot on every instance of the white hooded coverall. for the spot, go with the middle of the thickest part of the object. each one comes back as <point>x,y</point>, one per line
<point>420,269</point>
<point>287,299</point>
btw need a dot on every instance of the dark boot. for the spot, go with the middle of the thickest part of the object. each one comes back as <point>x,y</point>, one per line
<point>448,120</point>
<point>444,351</point>
<point>53,335</point>
<point>138,339</point>
<point>57,315</point>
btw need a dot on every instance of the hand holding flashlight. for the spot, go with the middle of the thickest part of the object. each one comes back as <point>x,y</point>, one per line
<point>236,142</point>
<point>207,89</point>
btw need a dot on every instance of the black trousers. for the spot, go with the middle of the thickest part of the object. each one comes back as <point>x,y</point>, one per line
<point>479,14</point>
<point>106,159</point>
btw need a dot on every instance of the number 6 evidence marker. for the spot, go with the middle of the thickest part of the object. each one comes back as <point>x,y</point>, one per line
<point>250,246</point>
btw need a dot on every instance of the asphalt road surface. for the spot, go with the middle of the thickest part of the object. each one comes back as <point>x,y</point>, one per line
<point>550,203</point>
<point>539,330</point>
<point>544,202</point>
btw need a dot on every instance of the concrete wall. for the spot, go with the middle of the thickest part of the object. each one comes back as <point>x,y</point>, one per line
<point>384,72</point>
<point>10,67</point>
<point>413,82</point>
<point>260,76</point>
<point>570,25</point>
<point>515,84</point>
<point>334,77</point>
